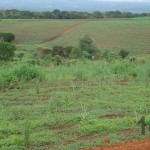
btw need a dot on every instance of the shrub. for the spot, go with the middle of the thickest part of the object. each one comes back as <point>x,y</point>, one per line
<point>123,53</point>
<point>7,51</point>
<point>23,72</point>
<point>86,44</point>
<point>76,53</point>
<point>61,51</point>
<point>7,37</point>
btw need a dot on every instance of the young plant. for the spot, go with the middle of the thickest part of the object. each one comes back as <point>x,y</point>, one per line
<point>26,133</point>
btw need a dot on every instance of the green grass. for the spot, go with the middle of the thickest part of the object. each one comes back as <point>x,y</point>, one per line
<point>74,105</point>
<point>131,34</point>
<point>70,104</point>
<point>33,32</point>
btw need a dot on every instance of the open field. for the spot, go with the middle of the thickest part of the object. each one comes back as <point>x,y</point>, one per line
<point>112,34</point>
<point>80,104</point>
<point>33,31</point>
<point>77,106</point>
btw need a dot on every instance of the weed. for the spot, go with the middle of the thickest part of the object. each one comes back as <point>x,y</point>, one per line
<point>27,133</point>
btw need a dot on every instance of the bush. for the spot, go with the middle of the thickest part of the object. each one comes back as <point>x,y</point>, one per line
<point>23,72</point>
<point>7,37</point>
<point>61,51</point>
<point>123,53</point>
<point>86,44</point>
<point>76,53</point>
<point>7,51</point>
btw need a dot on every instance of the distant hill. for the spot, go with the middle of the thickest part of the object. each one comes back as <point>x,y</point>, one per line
<point>82,5</point>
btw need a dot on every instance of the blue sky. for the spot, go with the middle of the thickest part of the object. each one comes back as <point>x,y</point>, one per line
<point>79,5</point>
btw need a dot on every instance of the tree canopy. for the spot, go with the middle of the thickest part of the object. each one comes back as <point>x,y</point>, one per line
<point>57,14</point>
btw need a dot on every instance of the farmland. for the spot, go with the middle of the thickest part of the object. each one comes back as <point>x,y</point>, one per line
<point>113,34</point>
<point>81,103</point>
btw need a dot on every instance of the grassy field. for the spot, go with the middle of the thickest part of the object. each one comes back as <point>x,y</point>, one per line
<point>33,31</point>
<point>113,34</point>
<point>79,103</point>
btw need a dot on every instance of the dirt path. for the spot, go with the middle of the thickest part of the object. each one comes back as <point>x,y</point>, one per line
<point>135,145</point>
<point>63,32</point>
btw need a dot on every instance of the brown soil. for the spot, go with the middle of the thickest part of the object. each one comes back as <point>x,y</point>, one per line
<point>105,141</point>
<point>147,52</point>
<point>135,145</point>
<point>112,116</point>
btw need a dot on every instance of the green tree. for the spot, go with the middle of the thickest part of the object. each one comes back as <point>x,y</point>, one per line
<point>56,14</point>
<point>86,45</point>
<point>97,14</point>
<point>1,15</point>
<point>7,51</point>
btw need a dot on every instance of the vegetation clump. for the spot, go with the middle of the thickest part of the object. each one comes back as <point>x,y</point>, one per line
<point>7,37</point>
<point>123,53</point>
<point>22,72</point>
<point>87,46</point>
<point>7,51</point>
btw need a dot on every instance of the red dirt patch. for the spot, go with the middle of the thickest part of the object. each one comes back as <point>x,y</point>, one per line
<point>135,145</point>
<point>62,127</point>
<point>105,140</point>
<point>112,116</point>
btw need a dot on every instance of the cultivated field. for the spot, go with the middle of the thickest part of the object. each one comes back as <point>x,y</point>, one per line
<point>80,104</point>
<point>113,34</point>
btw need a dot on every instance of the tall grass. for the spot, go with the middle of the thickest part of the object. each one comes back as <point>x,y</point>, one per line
<point>83,71</point>
<point>22,72</point>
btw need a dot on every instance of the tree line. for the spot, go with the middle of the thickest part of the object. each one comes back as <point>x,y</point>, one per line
<point>57,14</point>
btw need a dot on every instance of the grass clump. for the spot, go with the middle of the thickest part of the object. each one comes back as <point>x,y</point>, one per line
<point>22,72</point>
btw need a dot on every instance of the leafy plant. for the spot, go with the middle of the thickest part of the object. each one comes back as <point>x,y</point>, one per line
<point>123,53</point>
<point>76,53</point>
<point>7,51</point>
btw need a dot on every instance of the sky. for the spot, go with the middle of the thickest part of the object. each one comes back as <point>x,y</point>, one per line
<point>77,5</point>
